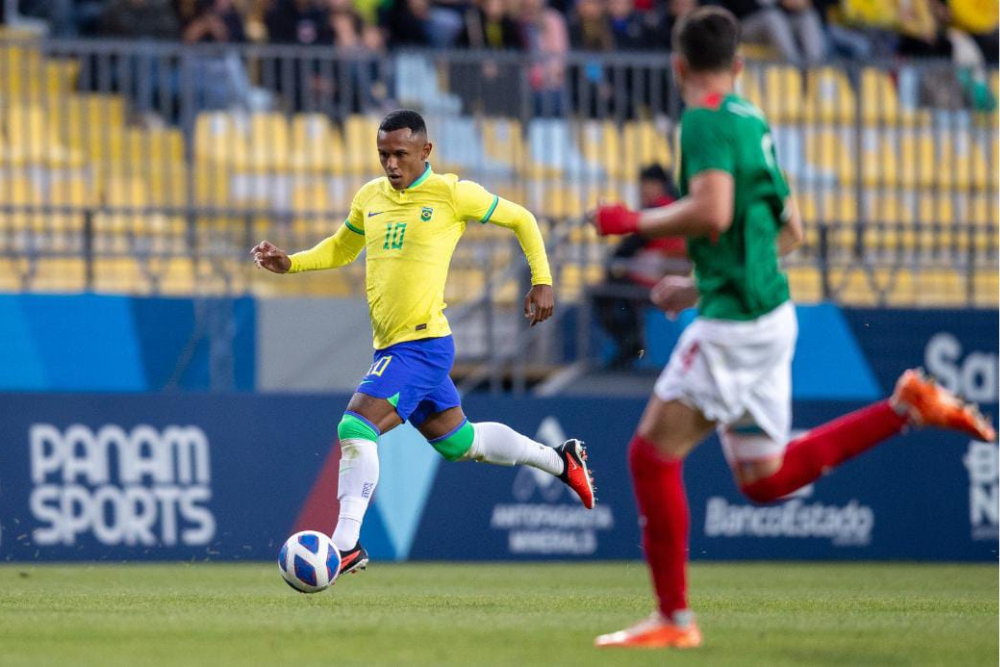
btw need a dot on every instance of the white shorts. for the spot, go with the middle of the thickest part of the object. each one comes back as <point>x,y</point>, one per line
<point>739,375</point>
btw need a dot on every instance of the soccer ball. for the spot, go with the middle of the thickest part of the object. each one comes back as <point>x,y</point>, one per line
<point>309,562</point>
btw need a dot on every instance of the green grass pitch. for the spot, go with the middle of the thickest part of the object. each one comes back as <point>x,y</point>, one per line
<point>491,614</point>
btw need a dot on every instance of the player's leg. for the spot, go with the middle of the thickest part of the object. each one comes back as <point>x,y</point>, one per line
<point>441,420</point>
<point>916,401</point>
<point>365,419</point>
<point>668,431</point>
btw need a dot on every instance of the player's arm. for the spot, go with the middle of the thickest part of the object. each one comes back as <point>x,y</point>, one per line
<point>338,250</point>
<point>791,235</point>
<point>474,201</point>
<point>709,156</point>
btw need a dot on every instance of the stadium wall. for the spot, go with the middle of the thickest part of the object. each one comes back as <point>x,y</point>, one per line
<point>193,475</point>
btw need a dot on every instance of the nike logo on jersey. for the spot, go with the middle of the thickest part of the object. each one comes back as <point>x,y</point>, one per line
<point>374,213</point>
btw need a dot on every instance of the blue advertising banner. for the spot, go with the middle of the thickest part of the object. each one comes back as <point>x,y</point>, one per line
<point>228,477</point>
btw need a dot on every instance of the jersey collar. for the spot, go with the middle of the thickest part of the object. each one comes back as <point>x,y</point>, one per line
<point>423,177</point>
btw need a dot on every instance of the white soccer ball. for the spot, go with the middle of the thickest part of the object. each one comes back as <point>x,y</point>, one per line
<point>309,562</point>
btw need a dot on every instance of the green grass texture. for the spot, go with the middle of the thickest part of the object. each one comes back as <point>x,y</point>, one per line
<point>493,614</point>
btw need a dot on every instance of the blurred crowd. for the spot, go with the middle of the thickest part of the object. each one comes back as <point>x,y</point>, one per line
<point>799,31</point>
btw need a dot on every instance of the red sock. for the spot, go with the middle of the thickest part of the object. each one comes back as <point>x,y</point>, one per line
<point>663,512</point>
<point>826,447</point>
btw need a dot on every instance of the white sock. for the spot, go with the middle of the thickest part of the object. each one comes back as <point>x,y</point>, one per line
<point>503,446</point>
<point>357,480</point>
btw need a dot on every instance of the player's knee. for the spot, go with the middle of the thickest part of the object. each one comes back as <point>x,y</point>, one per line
<point>354,429</point>
<point>456,445</point>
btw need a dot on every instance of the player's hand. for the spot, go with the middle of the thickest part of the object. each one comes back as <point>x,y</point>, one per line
<point>539,304</point>
<point>673,294</point>
<point>615,219</point>
<point>268,256</point>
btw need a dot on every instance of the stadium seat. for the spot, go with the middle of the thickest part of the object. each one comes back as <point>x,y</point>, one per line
<point>643,143</point>
<point>783,94</point>
<point>941,287</point>
<point>854,286</point>
<point>918,165</point>
<point>59,274</point>
<point>32,139</point>
<point>879,101</point>
<point>361,155</point>
<point>315,146</point>
<point>503,143</point>
<point>805,283</point>
<point>986,287</point>
<point>600,146</point>
<point>828,156</point>
<point>221,138</point>
<point>269,145</point>
<point>829,96</point>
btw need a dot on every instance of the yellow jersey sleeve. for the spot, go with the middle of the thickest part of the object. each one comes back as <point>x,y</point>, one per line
<point>338,250</point>
<point>473,201</point>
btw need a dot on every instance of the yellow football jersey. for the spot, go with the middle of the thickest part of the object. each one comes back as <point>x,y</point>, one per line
<point>409,237</point>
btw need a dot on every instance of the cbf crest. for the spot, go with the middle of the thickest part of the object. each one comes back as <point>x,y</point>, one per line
<point>425,213</point>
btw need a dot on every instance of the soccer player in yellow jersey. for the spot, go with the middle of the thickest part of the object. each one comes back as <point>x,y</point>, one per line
<point>409,222</point>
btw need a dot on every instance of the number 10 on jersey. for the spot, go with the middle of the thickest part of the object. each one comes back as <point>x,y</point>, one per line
<point>394,232</point>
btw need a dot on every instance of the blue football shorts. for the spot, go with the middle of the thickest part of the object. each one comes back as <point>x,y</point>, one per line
<point>414,377</point>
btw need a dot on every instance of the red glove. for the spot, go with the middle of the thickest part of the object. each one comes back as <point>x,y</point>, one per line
<point>616,219</point>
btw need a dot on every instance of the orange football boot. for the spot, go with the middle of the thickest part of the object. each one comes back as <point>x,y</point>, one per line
<point>929,404</point>
<point>655,632</point>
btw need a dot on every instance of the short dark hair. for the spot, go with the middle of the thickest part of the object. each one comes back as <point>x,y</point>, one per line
<point>654,172</point>
<point>402,119</point>
<point>707,38</point>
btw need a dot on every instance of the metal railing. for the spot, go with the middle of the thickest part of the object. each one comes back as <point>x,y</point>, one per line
<point>153,167</point>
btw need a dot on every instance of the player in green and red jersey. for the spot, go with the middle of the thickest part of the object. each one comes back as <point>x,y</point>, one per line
<point>731,368</point>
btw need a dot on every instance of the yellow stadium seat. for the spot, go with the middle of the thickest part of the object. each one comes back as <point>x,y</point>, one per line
<point>879,101</point>
<point>315,145</point>
<point>360,151</point>
<point>918,165</point>
<point>503,142</point>
<point>31,137</point>
<point>805,283</point>
<point>960,169</point>
<point>829,96</point>
<point>854,286</point>
<point>899,286</point>
<point>220,137</point>
<point>834,209</point>
<point>269,145</point>
<point>749,86</point>
<point>941,287</point>
<point>783,93</point>
<point>643,144</point>
<point>120,275</point>
<point>59,274</point>
<point>986,286</point>
<point>828,151</point>
<point>600,146</point>
<point>879,164</point>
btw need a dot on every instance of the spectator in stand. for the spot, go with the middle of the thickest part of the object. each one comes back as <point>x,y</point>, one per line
<point>628,30</point>
<point>635,267</point>
<point>208,21</point>
<point>445,22</point>
<point>351,33</point>
<point>136,19</point>
<point>308,85</point>
<point>407,22</point>
<point>589,28</point>
<point>154,93</point>
<point>979,19</point>
<point>544,35</point>
<point>793,27</point>
<point>660,23</point>
<point>486,25</point>
<point>490,86</point>
<point>301,22</point>
<point>220,80</point>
